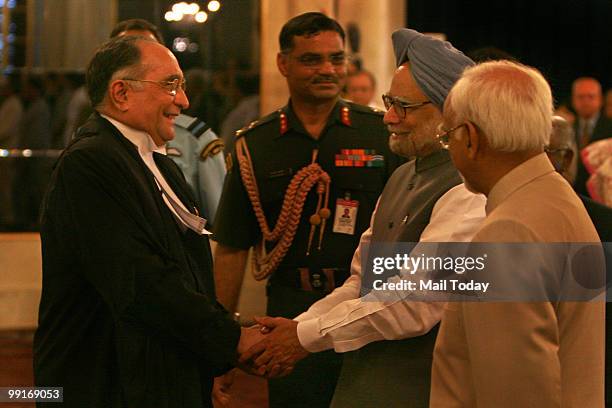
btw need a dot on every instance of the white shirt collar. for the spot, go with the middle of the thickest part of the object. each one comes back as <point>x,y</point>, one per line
<point>146,147</point>
<point>143,141</point>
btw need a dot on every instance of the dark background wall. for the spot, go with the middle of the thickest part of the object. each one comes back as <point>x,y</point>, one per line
<point>564,39</point>
<point>227,35</point>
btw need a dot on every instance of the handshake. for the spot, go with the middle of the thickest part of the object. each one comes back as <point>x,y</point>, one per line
<point>270,348</point>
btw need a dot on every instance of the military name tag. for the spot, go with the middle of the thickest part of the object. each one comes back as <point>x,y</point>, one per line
<point>346,216</point>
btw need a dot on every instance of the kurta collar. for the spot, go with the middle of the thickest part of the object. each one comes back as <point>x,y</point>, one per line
<point>521,175</point>
<point>143,142</point>
<point>433,160</point>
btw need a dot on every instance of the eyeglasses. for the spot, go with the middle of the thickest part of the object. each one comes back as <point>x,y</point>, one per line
<point>401,106</point>
<point>171,86</point>
<point>443,136</point>
<point>563,150</point>
<point>316,60</point>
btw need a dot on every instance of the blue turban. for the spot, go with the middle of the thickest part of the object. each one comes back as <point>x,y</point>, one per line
<point>436,65</point>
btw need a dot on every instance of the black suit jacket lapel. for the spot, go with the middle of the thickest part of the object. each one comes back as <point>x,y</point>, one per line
<point>153,206</point>
<point>192,243</point>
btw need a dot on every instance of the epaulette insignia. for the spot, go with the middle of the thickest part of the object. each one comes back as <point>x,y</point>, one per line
<point>173,151</point>
<point>345,116</point>
<point>256,123</point>
<point>229,162</point>
<point>283,123</point>
<point>211,149</point>
<point>248,127</point>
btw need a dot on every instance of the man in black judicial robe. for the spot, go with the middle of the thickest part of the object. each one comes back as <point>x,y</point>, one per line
<point>128,316</point>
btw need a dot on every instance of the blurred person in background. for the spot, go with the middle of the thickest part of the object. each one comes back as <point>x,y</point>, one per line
<point>66,87</point>
<point>195,81</point>
<point>245,112</point>
<point>361,88</point>
<point>591,124</point>
<point>609,104</point>
<point>11,110</point>
<point>53,86</point>
<point>31,173</point>
<point>78,108</point>
<point>561,149</point>
<point>562,152</point>
<point>221,96</point>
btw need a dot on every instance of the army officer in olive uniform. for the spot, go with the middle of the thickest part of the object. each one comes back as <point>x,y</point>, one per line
<point>301,187</point>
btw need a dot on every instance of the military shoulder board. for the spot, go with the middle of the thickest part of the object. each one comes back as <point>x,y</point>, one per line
<point>257,122</point>
<point>195,126</point>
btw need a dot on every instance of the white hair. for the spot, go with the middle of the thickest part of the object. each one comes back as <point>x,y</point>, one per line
<point>510,102</point>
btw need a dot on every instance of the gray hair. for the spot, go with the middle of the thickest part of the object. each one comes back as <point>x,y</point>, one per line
<point>115,58</point>
<point>510,102</point>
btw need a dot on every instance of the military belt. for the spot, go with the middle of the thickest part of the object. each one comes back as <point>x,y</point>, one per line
<point>311,280</point>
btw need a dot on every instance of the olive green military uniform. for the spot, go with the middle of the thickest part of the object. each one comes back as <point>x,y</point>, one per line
<point>353,150</point>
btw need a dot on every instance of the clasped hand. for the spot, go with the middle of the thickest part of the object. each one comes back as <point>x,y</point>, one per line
<point>271,348</point>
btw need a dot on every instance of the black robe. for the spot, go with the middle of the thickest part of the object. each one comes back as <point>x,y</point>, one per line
<point>128,316</point>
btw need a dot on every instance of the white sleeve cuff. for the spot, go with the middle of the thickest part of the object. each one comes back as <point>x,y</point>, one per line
<point>310,336</point>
